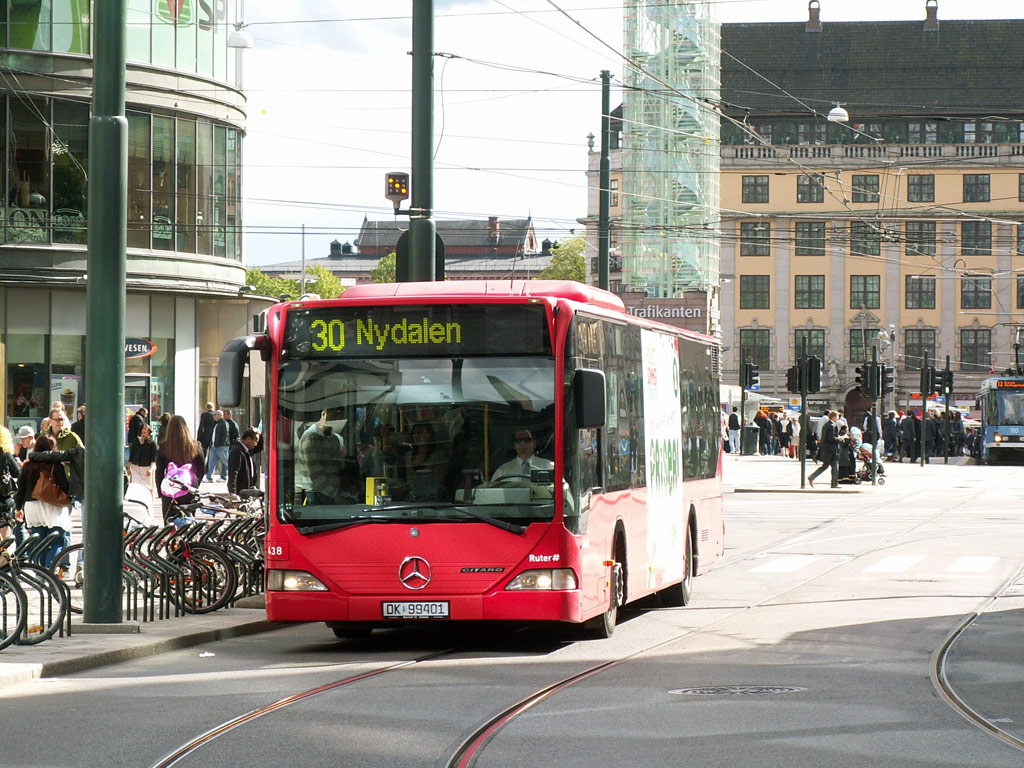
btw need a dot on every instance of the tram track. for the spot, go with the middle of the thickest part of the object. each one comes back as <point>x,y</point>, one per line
<point>466,753</point>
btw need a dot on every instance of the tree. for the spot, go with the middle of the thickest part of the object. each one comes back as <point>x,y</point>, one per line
<point>568,262</point>
<point>327,285</point>
<point>386,270</point>
<point>265,285</point>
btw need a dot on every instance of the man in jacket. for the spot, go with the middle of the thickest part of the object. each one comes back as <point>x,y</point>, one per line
<point>909,432</point>
<point>135,424</point>
<point>828,451</point>
<point>220,447</point>
<point>241,464</point>
<point>79,426</point>
<point>734,430</point>
<point>204,434</point>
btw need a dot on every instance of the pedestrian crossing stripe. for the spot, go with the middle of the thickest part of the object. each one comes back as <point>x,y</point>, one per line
<point>786,564</point>
<point>894,564</point>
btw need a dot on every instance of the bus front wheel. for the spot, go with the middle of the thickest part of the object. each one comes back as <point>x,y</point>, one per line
<point>601,627</point>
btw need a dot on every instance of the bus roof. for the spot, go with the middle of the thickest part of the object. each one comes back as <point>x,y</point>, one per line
<point>556,289</point>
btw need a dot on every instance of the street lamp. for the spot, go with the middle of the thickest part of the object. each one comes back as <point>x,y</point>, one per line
<point>838,114</point>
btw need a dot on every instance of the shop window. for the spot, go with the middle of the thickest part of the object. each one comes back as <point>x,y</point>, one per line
<point>185,222</point>
<point>27,385</point>
<point>29,180</point>
<point>139,180</point>
<point>67,366</point>
<point>163,183</point>
<point>204,174</point>
<point>30,25</point>
<point>161,381</point>
<point>70,161</point>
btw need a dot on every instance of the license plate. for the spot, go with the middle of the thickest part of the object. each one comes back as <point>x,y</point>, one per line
<point>415,610</point>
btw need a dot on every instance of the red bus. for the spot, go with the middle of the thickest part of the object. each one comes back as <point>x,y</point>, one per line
<point>482,451</point>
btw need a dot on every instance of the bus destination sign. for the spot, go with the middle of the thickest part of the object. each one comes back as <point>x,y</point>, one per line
<point>1010,384</point>
<point>417,331</point>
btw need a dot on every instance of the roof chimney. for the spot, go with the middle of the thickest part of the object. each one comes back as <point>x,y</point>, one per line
<point>493,229</point>
<point>346,249</point>
<point>335,250</point>
<point>813,20</point>
<point>931,19</point>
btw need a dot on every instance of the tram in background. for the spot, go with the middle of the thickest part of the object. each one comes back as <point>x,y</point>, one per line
<point>396,412</point>
<point>1001,433</point>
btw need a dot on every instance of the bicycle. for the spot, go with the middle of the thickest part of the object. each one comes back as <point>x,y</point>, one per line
<point>47,600</point>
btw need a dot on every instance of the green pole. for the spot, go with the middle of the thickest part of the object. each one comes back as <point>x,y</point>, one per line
<point>605,183</point>
<point>805,371</point>
<point>422,231</point>
<point>876,379</point>
<point>105,300</point>
<point>925,382</point>
<point>948,392</point>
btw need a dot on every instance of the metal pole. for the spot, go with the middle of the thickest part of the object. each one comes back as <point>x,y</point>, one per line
<point>605,183</point>
<point>876,374</point>
<point>105,299</point>
<point>804,375</point>
<point>924,406</point>
<point>422,230</point>
<point>949,395</point>
<point>743,402</point>
<point>302,280</point>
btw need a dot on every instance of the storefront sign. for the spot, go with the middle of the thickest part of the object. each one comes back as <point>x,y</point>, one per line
<point>138,348</point>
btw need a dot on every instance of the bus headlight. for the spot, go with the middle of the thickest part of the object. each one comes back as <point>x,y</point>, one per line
<point>293,581</point>
<point>998,438</point>
<point>544,578</point>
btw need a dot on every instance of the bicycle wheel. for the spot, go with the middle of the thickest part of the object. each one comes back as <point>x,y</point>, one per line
<point>13,610</point>
<point>67,567</point>
<point>47,602</point>
<point>206,580</point>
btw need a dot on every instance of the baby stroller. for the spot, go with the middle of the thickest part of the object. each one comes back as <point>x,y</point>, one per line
<point>848,463</point>
<point>864,453</point>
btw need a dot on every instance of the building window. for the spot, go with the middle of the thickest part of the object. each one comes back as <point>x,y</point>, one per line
<point>810,238</point>
<point>985,133</point>
<point>865,239</point>
<point>976,238</point>
<point>976,187</point>
<point>969,133</point>
<point>1020,293</point>
<point>860,342</point>
<point>920,292</point>
<point>810,189</point>
<point>922,133</point>
<point>1020,239</point>
<point>1020,187</point>
<point>613,193</point>
<point>976,293</point>
<point>755,347</point>
<point>755,291</point>
<point>865,291</point>
<point>865,188</point>
<point>755,189</point>
<point>764,130</point>
<point>815,338</point>
<point>755,238</point>
<point>811,133</point>
<point>809,292</point>
<point>976,349</point>
<point>921,188</point>
<point>920,238</point>
<point>917,342</point>
<point>865,132</point>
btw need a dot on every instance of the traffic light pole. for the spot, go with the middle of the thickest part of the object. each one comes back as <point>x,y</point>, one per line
<point>925,386</point>
<point>804,374</point>
<point>876,376</point>
<point>743,401</point>
<point>948,392</point>
<point>605,183</point>
<point>422,231</point>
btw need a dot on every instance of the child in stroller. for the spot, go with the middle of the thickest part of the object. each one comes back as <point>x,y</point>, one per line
<point>853,450</point>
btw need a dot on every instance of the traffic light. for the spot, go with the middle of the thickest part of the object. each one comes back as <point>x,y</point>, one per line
<point>813,375</point>
<point>793,379</point>
<point>864,379</point>
<point>875,381</point>
<point>396,187</point>
<point>753,376</point>
<point>946,382</point>
<point>927,380</point>
<point>887,380</point>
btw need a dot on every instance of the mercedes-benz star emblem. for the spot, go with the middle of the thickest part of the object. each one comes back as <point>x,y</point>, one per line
<point>414,573</point>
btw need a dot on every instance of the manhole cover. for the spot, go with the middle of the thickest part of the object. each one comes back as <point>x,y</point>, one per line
<point>733,690</point>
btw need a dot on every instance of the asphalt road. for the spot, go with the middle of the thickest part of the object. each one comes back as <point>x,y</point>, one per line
<point>813,643</point>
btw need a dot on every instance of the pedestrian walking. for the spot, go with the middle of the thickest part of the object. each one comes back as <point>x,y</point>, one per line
<point>891,435</point>
<point>12,520</point>
<point>41,516</point>
<point>181,450</point>
<point>79,426</point>
<point>241,462</point>
<point>142,458</point>
<point>735,424</point>
<point>219,448</point>
<point>135,424</point>
<point>828,450</point>
<point>909,429</point>
<point>204,434</point>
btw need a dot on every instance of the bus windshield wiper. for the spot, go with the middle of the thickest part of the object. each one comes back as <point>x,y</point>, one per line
<point>497,523</point>
<point>334,525</point>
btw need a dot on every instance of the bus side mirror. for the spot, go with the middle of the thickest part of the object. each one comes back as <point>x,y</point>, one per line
<point>231,368</point>
<point>589,396</point>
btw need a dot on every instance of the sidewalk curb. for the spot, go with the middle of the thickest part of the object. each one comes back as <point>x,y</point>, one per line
<point>797,490</point>
<point>15,672</point>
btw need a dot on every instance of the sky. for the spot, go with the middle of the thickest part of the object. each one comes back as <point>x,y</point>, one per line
<point>517,90</point>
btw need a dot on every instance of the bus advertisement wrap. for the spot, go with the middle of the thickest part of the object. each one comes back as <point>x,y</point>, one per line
<point>662,428</point>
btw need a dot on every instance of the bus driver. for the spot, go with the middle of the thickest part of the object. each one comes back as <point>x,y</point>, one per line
<point>525,460</point>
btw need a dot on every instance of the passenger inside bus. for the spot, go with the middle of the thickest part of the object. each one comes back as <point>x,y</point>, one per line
<point>319,463</point>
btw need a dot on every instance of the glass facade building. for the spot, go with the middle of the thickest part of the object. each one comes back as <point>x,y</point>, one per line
<point>185,276</point>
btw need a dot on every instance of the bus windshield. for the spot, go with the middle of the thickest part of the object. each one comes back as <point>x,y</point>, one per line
<point>421,438</point>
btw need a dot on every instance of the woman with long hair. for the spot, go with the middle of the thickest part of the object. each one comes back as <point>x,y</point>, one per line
<point>141,455</point>
<point>42,517</point>
<point>180,449</point>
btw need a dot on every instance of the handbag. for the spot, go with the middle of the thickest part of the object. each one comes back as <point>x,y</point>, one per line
<point>46,489</point>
